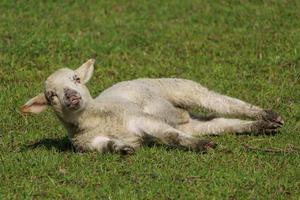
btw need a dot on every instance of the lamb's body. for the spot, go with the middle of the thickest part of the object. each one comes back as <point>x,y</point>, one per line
<point>148,96</point>
<point>131,113</point>
<point>124,112</point>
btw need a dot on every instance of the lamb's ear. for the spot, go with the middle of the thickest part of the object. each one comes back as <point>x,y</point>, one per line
<point>35,105</point>
<point>85,71</point>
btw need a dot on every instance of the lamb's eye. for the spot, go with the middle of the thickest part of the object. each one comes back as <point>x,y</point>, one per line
<point>76,79</point>
<point>49,96</point>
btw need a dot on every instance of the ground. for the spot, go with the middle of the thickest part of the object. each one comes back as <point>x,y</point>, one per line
<point>246,49</point>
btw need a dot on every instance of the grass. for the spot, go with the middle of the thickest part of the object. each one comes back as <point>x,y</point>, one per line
<point>246,49</point>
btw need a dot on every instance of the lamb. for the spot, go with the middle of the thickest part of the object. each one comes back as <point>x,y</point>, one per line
<point>138,112</point>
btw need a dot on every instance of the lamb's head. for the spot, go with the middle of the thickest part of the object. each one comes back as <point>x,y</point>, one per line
<point>65,91</point>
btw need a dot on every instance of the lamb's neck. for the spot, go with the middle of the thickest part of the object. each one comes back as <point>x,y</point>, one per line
<point>84,120</point>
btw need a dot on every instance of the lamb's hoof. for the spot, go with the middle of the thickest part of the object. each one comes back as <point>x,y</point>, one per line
<point>204,145</point>
<point>126,150</point>
<point>271,116</point>
<point>267,127</point>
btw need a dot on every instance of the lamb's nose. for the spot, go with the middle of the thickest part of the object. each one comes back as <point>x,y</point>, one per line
<point>69,92</point>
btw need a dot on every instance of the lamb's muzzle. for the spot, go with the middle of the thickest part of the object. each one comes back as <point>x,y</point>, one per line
<point>72,98</point>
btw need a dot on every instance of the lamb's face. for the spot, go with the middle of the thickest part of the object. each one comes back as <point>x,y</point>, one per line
<point>65,91</point>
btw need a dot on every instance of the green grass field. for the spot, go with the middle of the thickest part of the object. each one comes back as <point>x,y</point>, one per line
<point>246,49</point>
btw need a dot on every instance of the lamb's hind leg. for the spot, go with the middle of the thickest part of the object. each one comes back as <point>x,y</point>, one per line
<point>161,132</point>
<point>189,94</point>
<point>219,126</point>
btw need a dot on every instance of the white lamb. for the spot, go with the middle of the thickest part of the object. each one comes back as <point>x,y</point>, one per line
<point>132,113</point>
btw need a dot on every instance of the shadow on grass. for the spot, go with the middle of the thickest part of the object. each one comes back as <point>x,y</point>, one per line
<point>61,144</point>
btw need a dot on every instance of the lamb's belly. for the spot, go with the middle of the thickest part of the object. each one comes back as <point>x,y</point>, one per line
<point>153,105</point>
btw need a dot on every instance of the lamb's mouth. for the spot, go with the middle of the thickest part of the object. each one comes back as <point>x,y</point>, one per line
<point>73,102</point>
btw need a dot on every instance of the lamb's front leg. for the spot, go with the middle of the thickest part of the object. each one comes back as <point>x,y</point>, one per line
<point>104,144</point>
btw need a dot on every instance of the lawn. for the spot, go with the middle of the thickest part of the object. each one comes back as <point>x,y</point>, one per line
<point>246,49</point>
